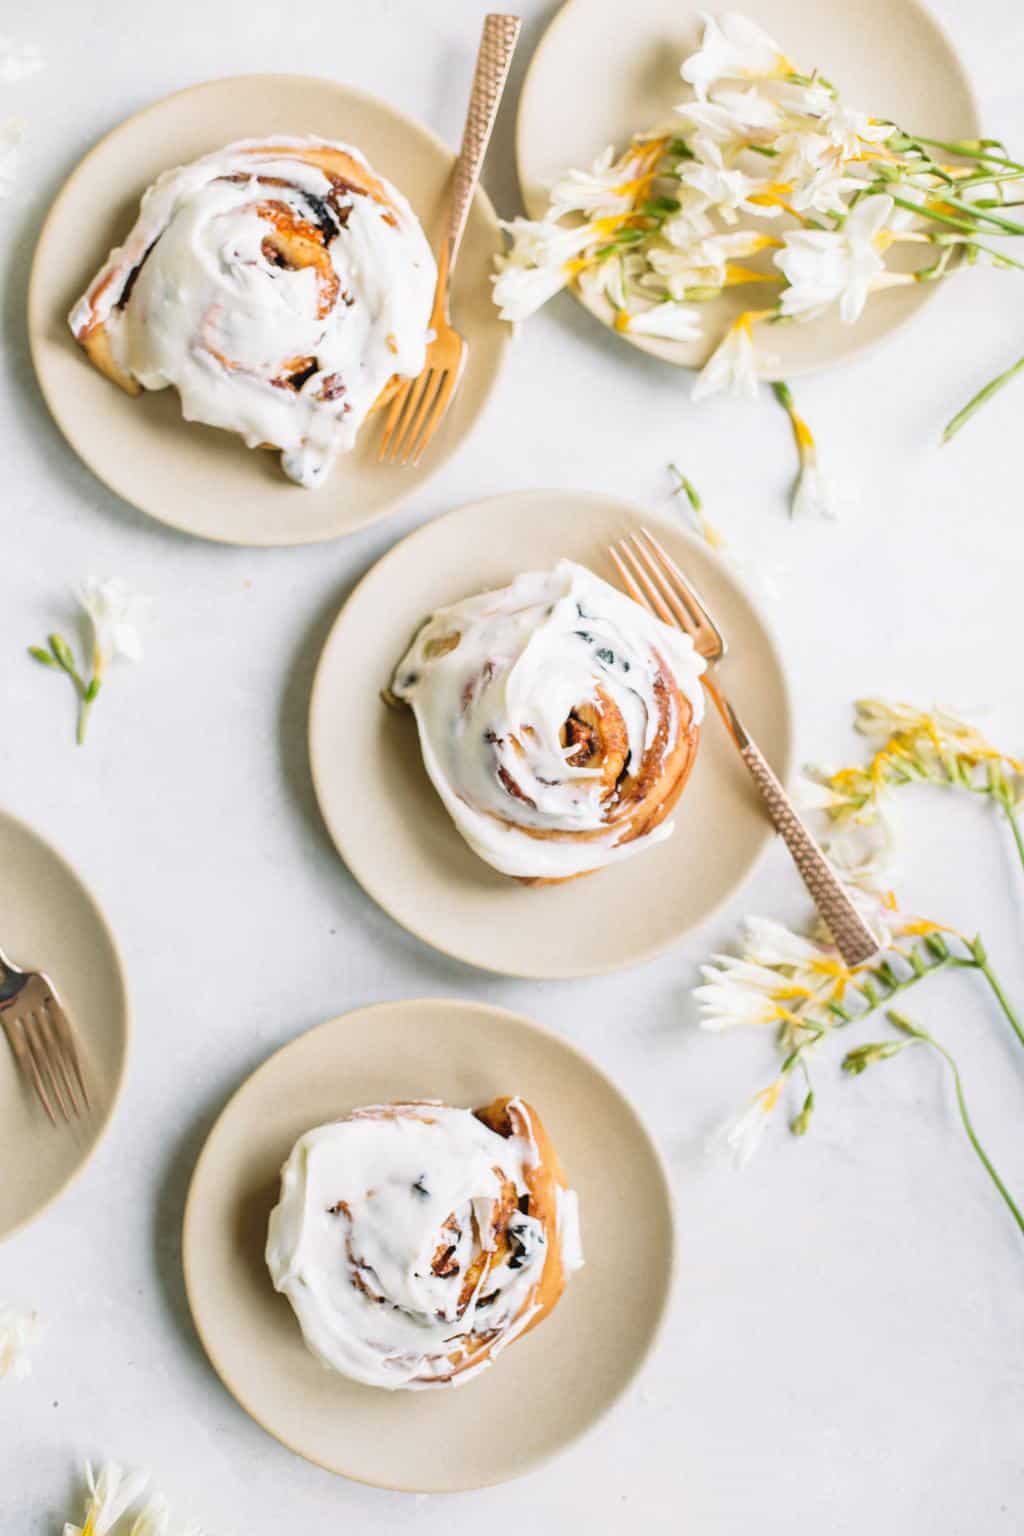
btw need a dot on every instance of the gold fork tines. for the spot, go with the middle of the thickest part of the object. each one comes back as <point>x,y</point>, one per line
<point>653,579</point>
<point>43,1044</point>
<point>421,404</point>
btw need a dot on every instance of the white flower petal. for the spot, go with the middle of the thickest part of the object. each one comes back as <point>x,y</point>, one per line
<point>732,48</point>
<point>732,367</point>
<point>18,1332</point>
<point>670,321</point>
<point>116,614</point>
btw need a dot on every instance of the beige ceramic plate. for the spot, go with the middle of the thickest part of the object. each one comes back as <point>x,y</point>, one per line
<point>197,478</point>
<point>48,919</point>
<point>603,71</point>
<point>392,829</point>
<point>548,1388</point>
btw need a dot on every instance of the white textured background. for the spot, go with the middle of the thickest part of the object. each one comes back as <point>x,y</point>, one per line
<point>846,1350</point>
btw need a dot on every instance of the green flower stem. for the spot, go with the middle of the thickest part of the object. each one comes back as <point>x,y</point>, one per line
<point>981,398</point>
<point>85,709</point>
<point>1011,816</point>
<point>979,959</point>
<point>972,149</point>
<point>1006,226</point>
<point>931,213</point>
<point>907,1028</point>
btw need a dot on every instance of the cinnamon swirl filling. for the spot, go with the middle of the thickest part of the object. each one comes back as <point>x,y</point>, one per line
<point>558,721</point>
<point>280,287</point>
<point>416,1241</point>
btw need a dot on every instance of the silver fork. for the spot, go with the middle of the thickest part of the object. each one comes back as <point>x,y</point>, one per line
<point>652,577</point>
<point>40,1035</point>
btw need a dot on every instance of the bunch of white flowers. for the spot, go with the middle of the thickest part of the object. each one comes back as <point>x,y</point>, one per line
<point>113,1505</point>
<point>764,162</point>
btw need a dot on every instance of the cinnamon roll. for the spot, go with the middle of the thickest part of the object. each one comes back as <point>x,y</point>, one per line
<point>415,1241</point>
<point>558,721</point>
<point>281,287</point>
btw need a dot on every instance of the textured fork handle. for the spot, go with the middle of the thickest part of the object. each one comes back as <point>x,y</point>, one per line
<point>853,937</point>
<point>497,46</point>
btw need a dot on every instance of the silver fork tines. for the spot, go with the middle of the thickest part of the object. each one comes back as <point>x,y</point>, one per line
<point>41,1038</point>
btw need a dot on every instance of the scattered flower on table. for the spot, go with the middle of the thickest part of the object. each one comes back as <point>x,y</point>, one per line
<point>111,1492</point>
<point>115,615</point>
<point>114,1498</point>
<point>912,746</point>
<point>19,1331</point>
<point>764,163</point>
<point>799,986</point>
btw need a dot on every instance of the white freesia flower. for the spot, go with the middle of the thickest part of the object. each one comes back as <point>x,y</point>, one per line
<point>741,1135</point>
<point>704,262</point>
<point>605,279</point>
<point>826,190</point>
<point>813,99</point>
<point>605,190</point>
<point>732,366</point>
<point>116,614</point>
<point>850,131</point>
<point>18,60</point>
<point>18,1332</point>
<point>539,264</point>
<point>10,138</point>
<point>112,1492</point>
<point>692,222</point>
<point>733,119</point>
<point>729,192</point>
<point>822,267</point>
<point>153,1519</point>
<point>733,48</point>
<point>776,973</point>
<point>814,494</point>
<point>669,321</point>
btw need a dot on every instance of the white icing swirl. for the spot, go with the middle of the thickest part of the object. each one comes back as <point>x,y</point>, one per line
<point>405,1242</point>
<point>276,294</point>
<point>556,719</point>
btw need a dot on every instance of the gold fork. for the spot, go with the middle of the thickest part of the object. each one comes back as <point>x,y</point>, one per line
<point>40,1035</point>
<point>652,577</point>
<point>421,404</point>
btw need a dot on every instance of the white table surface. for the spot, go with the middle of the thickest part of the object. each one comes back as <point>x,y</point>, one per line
<point>846,1351</point>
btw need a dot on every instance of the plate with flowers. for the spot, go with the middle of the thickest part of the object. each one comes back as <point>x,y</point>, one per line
<point>754,195</point>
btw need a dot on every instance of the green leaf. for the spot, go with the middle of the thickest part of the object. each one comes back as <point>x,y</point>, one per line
<point>37,652</point>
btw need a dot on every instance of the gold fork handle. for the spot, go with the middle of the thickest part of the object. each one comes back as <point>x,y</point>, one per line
<point>853,937</point>
<point>497,46</point>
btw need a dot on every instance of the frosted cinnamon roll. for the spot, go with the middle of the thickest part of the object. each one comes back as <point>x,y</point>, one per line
<point>557,719</point>
<point>279,286</point>
<point>415,1241</point>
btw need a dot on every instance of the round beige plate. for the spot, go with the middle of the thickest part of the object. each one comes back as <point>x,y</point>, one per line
<point>602,74</point>
<point>197,478</point>
<point>548,1388</point>
<point>392,829</point>
<point>49,920</point>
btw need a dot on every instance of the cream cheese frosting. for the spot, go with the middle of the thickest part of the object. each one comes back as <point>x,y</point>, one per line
<point>493,682</point>
<point>368,1205</point>
<point>275,296</point>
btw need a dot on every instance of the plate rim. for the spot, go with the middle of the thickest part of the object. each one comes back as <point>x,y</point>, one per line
<point>35,335</point>
<point>659,349</point>
<point>68,869</point>
<point>368,886</point>
<point>531,1026</point>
